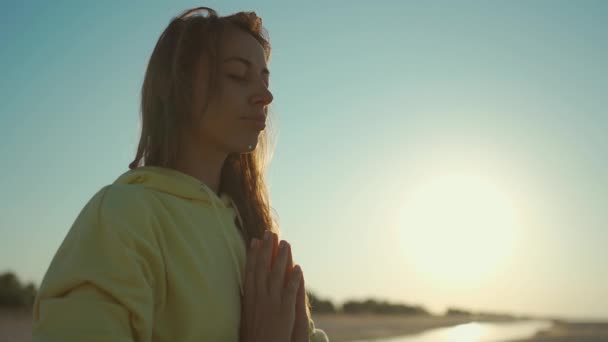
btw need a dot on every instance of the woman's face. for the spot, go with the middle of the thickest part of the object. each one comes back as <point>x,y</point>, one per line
<point>243,78</point>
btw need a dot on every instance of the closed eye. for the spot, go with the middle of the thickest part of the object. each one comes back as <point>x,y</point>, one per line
<point>238,78</point>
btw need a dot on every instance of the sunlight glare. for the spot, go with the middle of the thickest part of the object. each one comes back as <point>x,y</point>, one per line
<point>470,332</point>
<point>456,226</point>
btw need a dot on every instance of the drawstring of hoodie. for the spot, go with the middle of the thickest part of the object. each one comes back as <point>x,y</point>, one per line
<point>219,218</point>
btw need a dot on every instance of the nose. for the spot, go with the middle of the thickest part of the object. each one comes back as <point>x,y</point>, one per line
<point>263,97</point>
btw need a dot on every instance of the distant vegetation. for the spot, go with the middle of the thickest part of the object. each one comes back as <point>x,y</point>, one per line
<point>495,315</point>
<point>374,306</point>
<point>15,295</point>
<point>382,307</point>
<point>369,306</point>
<point>457,312</point>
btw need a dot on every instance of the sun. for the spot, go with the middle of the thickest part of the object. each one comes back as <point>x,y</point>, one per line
<point>457,226</point>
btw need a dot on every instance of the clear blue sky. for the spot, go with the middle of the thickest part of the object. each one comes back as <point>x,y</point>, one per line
<point>402,127</point>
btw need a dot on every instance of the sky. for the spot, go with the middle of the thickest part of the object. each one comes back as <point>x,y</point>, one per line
<point>437,153</point>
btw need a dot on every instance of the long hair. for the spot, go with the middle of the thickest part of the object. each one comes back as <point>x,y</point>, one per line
<point>166,110</point>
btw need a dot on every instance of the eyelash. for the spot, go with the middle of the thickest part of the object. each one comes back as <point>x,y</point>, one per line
<point>238,78</point>
<point>242,79</point>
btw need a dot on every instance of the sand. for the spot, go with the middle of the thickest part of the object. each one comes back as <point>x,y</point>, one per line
<point>341,327</point>
<point>344,327</point>
<point>562,331</point>
<point>16,327</point>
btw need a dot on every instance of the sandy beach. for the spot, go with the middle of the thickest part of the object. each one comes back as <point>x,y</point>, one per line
<point>345,327</point>
<point>569,331</point>
<point>341,327</point>
<point>16,327</point>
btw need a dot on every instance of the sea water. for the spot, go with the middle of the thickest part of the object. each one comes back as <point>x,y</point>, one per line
<point>475,332</point>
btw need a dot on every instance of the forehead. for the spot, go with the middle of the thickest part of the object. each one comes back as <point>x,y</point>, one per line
<point>237,42</point>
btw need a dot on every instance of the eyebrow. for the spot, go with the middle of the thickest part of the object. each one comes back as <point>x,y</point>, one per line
<point>246,62</point>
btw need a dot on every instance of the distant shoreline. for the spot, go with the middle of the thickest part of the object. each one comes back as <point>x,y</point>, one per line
<point>340,327</point>
<point>592,331</point>
<point>348,327</point>
<point>16,325</point>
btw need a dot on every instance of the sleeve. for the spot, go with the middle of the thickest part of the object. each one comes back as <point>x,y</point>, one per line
<point>316,335</point>
<point>100,283</point>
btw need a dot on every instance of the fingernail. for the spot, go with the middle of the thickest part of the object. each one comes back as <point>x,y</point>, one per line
<point>281,246</point>
<point>267,235</point>
<point>254,242</point>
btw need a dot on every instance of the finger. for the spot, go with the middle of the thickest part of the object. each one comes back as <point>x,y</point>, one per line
<point>263,264</point>
<point>291,290</point>
<point>288,267</point>
<point>275,249</point>
<point>301,298</point>
<point>277,275</point>
<point>301,323</point>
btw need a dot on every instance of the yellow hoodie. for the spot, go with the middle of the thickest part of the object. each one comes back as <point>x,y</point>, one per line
<point>155,256</point>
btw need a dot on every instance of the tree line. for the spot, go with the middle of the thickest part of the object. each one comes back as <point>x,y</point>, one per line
<point>14,294</point>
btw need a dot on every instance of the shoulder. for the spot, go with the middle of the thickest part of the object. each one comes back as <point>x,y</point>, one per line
<point>119,209</point>
<point>118,199</point>
<point>124,198</point>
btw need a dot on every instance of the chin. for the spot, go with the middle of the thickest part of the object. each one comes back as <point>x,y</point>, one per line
<point>241,144</point>
<point>245,148</point>
<point>251,147</point>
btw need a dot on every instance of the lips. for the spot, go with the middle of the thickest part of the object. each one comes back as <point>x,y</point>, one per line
<point>255,117</point>
<point>257,121</point>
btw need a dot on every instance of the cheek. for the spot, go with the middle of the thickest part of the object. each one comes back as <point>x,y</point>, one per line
<point>221,121</point>
<point>221,124</point>
<point>221,109</point>
<point>231,105</point>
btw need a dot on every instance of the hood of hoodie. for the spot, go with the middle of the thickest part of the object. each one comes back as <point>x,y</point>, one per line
<point>185,186</point>
<point>175,183</point>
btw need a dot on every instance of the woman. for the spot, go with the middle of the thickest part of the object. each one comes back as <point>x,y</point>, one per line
<point>161,254</point>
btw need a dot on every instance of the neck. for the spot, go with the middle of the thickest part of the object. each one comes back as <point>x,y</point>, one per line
<point>203,163</point>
